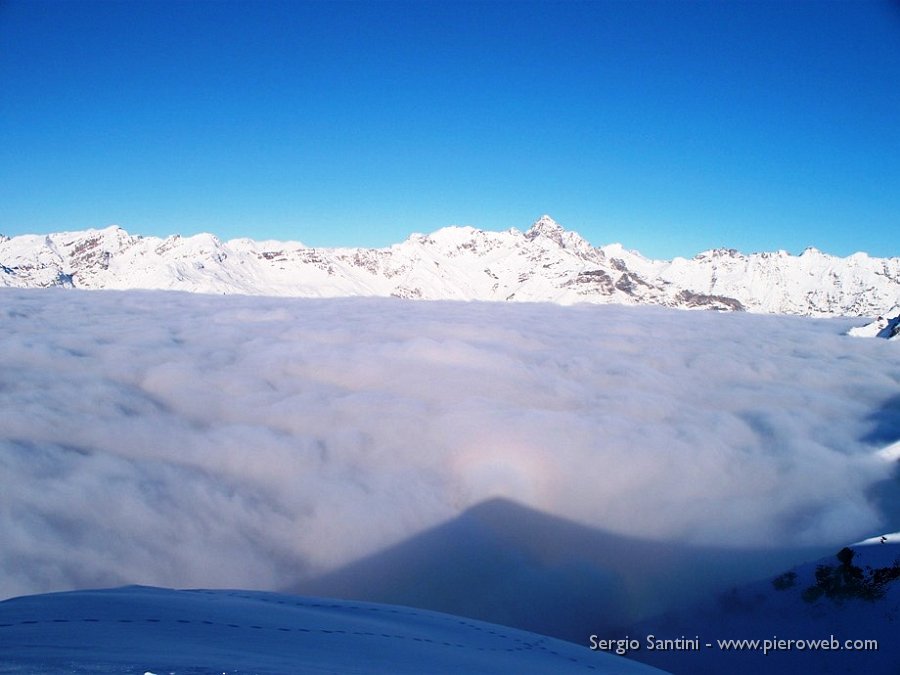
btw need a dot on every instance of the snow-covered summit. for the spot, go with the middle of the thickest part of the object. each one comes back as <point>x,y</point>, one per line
<point>545,226</point>
<point>546,263</point>
<point>549,229</point>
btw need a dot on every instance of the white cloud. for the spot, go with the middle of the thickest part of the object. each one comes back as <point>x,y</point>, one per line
<point>192,440</point>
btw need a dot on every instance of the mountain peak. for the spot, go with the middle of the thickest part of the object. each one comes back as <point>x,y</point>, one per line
<point>544,225</point>
<point>547,228</point>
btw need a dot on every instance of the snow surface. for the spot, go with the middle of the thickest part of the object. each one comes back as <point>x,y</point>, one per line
<point>154,630</point>
<point>546,264</point>
<point>887,326</point>
<point>762,611</point>
<point>887,538</point>
<point>891,453</point>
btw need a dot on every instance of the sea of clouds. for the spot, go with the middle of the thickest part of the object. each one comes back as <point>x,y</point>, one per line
<point>186,440</point>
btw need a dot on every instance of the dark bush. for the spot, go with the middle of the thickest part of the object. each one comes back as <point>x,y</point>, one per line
<point>847,580</point>
<point>784,581</point>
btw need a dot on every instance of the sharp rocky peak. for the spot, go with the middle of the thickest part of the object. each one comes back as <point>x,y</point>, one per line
<point>547,228</point>
<point>545,225</point>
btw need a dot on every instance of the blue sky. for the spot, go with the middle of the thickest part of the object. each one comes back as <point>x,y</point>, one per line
<point>670,127</point>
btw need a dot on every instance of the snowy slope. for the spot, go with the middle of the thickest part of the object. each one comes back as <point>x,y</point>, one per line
<point>783,607</point>
<point>545,264</point>
<point>883,327</point>
<point>142,629</point>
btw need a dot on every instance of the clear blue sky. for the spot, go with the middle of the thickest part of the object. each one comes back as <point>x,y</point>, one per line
<point>671,127</point>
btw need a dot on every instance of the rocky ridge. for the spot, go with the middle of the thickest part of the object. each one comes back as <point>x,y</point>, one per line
<point>546,263</point>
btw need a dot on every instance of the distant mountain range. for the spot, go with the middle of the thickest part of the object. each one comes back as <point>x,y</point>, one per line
<point>546,263</point>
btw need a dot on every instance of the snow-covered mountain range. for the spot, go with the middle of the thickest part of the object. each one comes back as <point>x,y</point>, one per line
<point>546,263</point>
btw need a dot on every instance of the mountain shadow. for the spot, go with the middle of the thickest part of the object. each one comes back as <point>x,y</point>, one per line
<point>508,564</point>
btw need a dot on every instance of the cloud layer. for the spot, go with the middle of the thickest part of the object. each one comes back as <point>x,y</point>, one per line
<point>186,440</point>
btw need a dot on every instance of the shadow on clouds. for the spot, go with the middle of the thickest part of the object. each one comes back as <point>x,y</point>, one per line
<point>171,439</point>
<point>508,564</point>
